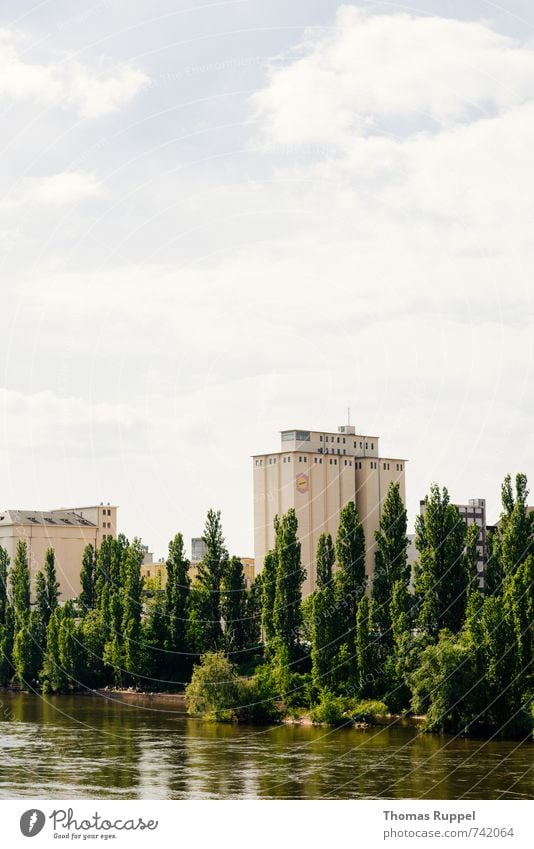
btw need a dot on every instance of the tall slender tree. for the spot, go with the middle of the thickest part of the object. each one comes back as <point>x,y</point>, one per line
<point>233,605</point>
<point>324,633</point>
<point>441,576</point>
<point>52,584</point>
<point>4,598</point>
<point>268,595</point>
<point>287,614</point>
<point>87,597</point>
<point>391,562</point>
<point>210,574</point>
<point>177,592</point>
<point>132,609</point>
<point>350,582</point>
<point>20,582</point>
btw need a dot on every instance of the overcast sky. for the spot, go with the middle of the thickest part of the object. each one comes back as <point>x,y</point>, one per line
<point>219,220</point>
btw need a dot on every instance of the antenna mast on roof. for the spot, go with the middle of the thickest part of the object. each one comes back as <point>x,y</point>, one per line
<point>348,414</point>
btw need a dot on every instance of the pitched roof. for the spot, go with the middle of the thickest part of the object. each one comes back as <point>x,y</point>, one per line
<point>45,518</point>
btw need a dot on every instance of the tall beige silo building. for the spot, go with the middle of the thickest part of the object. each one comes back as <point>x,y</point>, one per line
<point>317,473</point>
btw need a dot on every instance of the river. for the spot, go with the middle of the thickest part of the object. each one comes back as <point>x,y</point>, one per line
<point>97,747</point>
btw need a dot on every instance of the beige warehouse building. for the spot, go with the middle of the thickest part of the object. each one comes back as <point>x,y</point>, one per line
<point>66,531</point>
<point>317,473</point>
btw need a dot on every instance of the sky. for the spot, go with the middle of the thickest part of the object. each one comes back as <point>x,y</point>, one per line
<point>221,220</point>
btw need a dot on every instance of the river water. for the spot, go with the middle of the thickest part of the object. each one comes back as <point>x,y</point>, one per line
<point>96,747</point>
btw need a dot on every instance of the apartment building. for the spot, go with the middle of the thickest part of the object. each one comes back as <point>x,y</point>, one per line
<point>67,531</point>
<point>317,473</point>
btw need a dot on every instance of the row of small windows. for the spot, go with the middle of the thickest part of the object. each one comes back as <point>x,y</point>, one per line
<point>303,459</point>
<point>343,440</point>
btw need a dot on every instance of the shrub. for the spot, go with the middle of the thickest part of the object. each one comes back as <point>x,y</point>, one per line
<point>330,710</point>
<point>366,710</point>
<point>214,691</point>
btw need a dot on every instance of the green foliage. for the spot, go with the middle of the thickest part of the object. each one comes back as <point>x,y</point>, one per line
<point>233,605</point>
<point>20,583</point>
<point>350,583</point>
<point>177,598</point>
<point>325,626</point>
<point>443,685</point>
<point>270,568</point>
<point>87,597</point>
<point>132,605</point>
<point>51,582</point>
<point>4,601</point>
<point>441,575</point>
<point>391,564</point>
<point>329,711</point>
<point>214,691</point>
<point>92,638</point>
<point>253,614</point>
<point>287,614</point>
<point>211,571</point>
<point>343,710</point>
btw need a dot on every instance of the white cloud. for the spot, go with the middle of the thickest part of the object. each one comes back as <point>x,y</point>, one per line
<point>391,74</point>
<point>89,91</point>
<point>67,187</point>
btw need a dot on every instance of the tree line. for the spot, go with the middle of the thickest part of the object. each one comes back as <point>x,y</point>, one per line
<point>430,642</point>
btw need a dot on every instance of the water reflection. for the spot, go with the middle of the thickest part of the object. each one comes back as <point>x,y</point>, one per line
<point>97,747</point>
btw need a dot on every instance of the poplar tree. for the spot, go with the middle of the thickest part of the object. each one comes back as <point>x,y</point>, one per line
<point>20,583</point>
<point>52,584</point>
<point>253,615</point>
<point>324,633</point>
<point>210,574</point>
<point>52,673</point>
<point>4,599</point>
<point>350,582</point>
<point>233,606</point>
<point>516,526</point>
<point>441,577</point>
<point>287,614</point>
<point>177,591</point>
<point>132,608</point>
<point>268,595</point>
<point>87,597</point>
<point>391,563</point>
<point>69,649</point>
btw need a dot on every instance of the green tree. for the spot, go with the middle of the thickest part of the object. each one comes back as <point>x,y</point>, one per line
<point>444,685</point>
<point>6,647</point>
<point>69,648</point>
<point>132,609</point>
<point>177,592</point>
<point>20,582</point>
<point>51,582</point>
<point>52,672</point>
<point>214,689</point>
<point>326,557</point>
<point>516,526</point>
<point>92,638</point>
<point>287,615</point>
<point>324,633</point>
<point>350,583</point>
<point>403,657</point>
<point>253,615</point>
<point>391,561</point>
<point>87,597</point>
<point>268,595</point>
<point>211,570</point>
<point>4,599</point>
<point>441,576</point>
<point>233,605</point>
<point>493,573</point>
